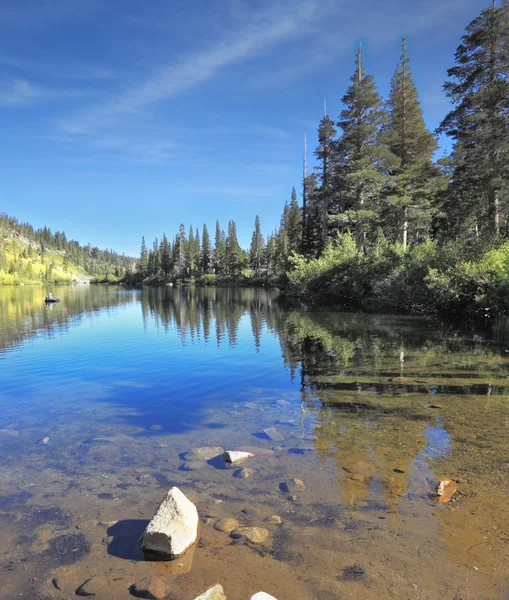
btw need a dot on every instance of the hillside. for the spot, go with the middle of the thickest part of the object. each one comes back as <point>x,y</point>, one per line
<point>36,256</point>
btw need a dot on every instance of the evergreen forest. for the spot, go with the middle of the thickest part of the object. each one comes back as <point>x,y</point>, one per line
<point>379,223</point>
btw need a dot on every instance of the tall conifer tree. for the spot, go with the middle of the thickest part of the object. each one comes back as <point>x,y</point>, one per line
<point>412,176</point>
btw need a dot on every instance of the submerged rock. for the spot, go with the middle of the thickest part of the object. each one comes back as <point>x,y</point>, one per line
<point>255,535</point>
<point>291,486</point>
<point>262,596</point>
<point>92,586</point>
<point>9,434</point>
<point>44,440</point>
<point>226,525</point>
<point>203,453</point>
<point>213,593</point>
<point>234,457</point>
<point>173,529</point>
<point>194,465</point>
<point>273,434</point>
<point>274,519</point>
<point>242,473</point>
<point>153,588</point>
<point>445,490</point>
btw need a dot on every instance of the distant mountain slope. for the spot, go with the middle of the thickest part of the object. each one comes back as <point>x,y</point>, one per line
<point>29,255</point>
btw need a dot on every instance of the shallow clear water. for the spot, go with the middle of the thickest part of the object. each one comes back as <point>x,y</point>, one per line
<point>369,409</point>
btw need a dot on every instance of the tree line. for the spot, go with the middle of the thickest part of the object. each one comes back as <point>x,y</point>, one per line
<point>376,178</point>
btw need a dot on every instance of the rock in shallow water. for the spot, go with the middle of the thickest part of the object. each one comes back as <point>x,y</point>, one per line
<point>226,525</point>
<point>262,596</point>
<point>233,457</point>
<point>291,486</point>
<point>242,473</point>
<point>91,587</point>
<point>194,465</point>
<point>273,434</point>
<point>213,593</point>
<point>255,535</point>
<point>173,529</point>
<point>203,453</point>
<point>153,588</point>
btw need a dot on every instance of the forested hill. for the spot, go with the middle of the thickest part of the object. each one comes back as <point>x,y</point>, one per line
<point>29,255</point>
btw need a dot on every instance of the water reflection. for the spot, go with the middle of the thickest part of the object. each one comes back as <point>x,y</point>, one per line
<point>371,407</point>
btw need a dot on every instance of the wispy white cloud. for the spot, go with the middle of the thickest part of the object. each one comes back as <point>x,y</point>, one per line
<point>254,40</point>
<point>23,93</point>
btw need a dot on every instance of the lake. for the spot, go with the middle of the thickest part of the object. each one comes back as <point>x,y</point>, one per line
<point>104,392</point>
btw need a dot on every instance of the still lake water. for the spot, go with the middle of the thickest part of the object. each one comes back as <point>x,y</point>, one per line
<point>368,407</point>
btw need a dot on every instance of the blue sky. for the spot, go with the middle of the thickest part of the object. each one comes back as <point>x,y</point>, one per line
<point>124,118</point>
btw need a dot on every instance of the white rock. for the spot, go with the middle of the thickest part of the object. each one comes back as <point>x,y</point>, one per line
<point>174,527</point>
<point>262,596</point>
<point>233,457</point>
<point>213,593</point>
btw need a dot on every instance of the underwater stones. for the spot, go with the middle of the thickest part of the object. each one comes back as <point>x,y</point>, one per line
<point>262,596</point>
<point>213,593</point>
<point>234,457</point>
<point>91,587</point>
<point>399,470</point>
<point>226,525</point>
<point>255,535</point>
<point>43,440</point>
<point>273,434</point>
<point>242,473</point>
<point>290,486</point>
<point>445,490</point>
<point>194,465</point>
<point>155,427</point>
<point>9,434</point>
<point>204,453</point>
<point>173,529</point>
<point>153,588</point>
<point>274,519</point>
<point>67,549</point>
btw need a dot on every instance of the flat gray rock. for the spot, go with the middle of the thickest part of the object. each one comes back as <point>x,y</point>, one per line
<point>273,434</point>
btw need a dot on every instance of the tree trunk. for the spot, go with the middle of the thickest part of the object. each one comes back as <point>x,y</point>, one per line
<point>403,226</point>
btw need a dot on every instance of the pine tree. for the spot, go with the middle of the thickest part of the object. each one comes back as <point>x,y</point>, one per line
<point>294,224</point>
<point>479,125</point>
<point>362,157</point>
<point>165,256</point>
<point>256,253</point>
<point>411,187</point>
<point>220,251</point>
<point>206,252</point>
<point>143,262</point>
<point>325,154</point>
<point>182,251</point>
<point>233,251</point>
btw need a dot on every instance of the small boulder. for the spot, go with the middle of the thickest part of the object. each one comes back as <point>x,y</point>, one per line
<point>173,529</point>
<point>445,491</point>
<point>44,440</point>
<point>213,593</point>
<point>153,588</point>
<point>91,587</point>
<point>273,434</point>
<point>290,486</point>
<point>255,535</point>
<point>242,473</point>
<point>234,457</point>
<point>262,596</point>
<point>203,453</point>
<point>274,519</point>
<point>226,525</point>
<point>194,465</point>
